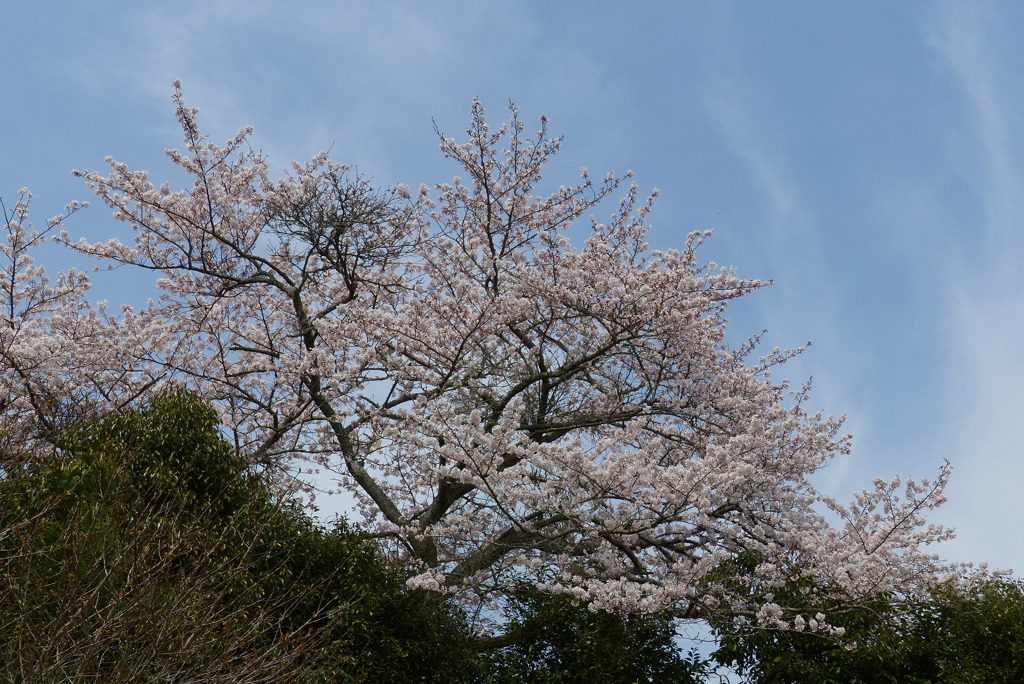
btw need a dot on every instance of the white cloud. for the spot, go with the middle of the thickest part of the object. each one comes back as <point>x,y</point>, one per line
<point>804,302</point>
<point>985,423</point>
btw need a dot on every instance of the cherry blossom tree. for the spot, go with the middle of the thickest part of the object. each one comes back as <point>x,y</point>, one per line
<point>52,340</point>
<point>506,403</point>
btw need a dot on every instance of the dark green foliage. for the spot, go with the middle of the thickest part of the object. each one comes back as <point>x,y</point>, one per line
<point>554,639</point>
<point>384,632</point>
<point>954,634</point>
<point>140,549</point>
<point>777,655</point>
<point>967,636</point>
<point>865,654</point>
<point>116,567</point>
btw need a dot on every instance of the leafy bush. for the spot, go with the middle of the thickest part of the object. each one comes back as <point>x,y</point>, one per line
<point>141,549</point>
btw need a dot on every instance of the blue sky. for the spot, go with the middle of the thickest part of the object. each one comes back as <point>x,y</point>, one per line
<point>868,157</point>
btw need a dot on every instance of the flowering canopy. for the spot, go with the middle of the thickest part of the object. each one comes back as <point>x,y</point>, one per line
<point>504,404</point>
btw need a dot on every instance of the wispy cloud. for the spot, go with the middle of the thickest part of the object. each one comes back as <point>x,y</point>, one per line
<point>743,113</point>
<point>985,423</point>
<point>787,236</point>
<point>967,37</point>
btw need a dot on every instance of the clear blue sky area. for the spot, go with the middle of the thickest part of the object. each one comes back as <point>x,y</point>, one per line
<point>866,156</point>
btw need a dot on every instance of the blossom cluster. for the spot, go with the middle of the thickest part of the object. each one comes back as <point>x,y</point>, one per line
<point>504,403</point>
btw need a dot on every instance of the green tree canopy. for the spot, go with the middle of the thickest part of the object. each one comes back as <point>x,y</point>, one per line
<point>957,633</point>
<point>140,549</point>
<point>556,639</point>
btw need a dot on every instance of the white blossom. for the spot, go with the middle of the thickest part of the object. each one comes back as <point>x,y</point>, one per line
<point>503,403</point>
